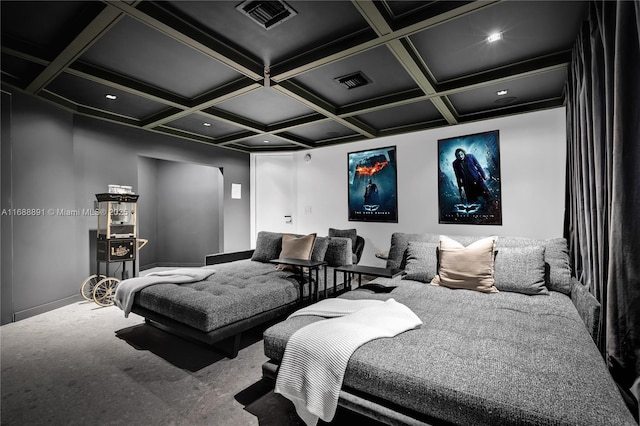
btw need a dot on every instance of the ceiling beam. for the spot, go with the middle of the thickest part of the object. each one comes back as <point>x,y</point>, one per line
<point>106,19</point>
<point>187,136</point>
<point>296,140</point>
<point>178,30</point>
<point>88,111</point>
<point>235,120</point>
<point>294,123</point>
<point>21,54</point>
<point>539,65</point>
<point>406,55</point>
<point>383,102</point>
<point>317,104</point>
<point>225,93</point>
<point>513,109</point>
<point>126,84</point>
<point>280,72</point>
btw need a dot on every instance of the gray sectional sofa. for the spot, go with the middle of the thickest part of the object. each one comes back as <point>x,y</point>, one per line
<point>245,290</point>
<point>521,356</point>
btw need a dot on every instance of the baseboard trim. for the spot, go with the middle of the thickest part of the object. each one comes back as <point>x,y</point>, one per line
<point>148,266</point>
<point>177,265</point>
<point>41,309</point>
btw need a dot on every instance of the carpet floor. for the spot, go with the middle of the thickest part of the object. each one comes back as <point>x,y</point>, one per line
<point>83,364</point>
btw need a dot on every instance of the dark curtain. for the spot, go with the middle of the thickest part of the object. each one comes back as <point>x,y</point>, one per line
<point>603,176</point>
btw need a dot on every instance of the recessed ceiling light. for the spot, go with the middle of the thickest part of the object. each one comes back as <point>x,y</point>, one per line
<point>502,92</point>
<point>111,97</point>
<point>494,37</point>
<point>205,124</point>
<point>265,141</point>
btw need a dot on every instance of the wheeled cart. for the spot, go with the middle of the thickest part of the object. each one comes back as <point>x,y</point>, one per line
<point>116,242</point>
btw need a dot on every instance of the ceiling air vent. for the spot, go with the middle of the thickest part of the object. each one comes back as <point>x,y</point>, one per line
<point>267,14</point>
<point>354,80</point>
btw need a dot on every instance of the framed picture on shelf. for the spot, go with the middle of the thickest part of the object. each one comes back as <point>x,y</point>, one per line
<point>469,181</point>
<point>373,185</point>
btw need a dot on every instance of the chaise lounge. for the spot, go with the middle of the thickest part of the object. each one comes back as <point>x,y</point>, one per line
<point>245,290</point>
<point>518,356</point>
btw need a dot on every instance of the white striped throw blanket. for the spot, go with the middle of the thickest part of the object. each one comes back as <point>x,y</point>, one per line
<point>316,356</point>
<point>127,289</point>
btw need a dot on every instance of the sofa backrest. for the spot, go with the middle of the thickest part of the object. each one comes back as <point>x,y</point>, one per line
<point>556,254</point>
<point>336,251</point>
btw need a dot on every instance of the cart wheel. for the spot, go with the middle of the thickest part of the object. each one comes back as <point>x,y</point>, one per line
<point>86,289</point>
<point>105,291</point>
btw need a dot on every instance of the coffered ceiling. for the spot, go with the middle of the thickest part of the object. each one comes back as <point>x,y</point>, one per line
<point>232,74</point>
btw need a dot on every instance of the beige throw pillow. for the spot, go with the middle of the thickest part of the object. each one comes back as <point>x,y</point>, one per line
<point>470,267</point>
<point>296,248</point>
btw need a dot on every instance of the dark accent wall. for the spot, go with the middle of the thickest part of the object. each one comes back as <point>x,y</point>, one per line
<point>59,162</point>
<point>148,210</point>
<point>6,307</point>
<point>180,213</point>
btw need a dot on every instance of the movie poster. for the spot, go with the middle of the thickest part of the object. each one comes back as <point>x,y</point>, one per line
<point>373,185</point>
<point>469,187</point>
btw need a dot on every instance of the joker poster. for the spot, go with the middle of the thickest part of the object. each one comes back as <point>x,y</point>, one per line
<point>373,185</point>
<point>469,186</point>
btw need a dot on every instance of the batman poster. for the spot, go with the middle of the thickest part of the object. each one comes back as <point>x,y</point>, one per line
<point>469,183</point>
<point>373,185</point>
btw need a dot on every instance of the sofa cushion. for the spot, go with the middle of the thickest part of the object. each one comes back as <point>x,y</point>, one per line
<point>236,291</point>
<point>470,267</point>
<point>521,270</point>
<point>268,246</point>
<point>422,261</point>
<point>477,360</point>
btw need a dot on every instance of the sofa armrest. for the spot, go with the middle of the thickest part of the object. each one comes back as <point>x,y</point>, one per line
<point>588,307</point>
<point>214,259</point>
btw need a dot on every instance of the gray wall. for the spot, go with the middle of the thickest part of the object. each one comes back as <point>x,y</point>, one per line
<point>59,162</point>
<point>180,212</point>
<point>147,210</point>
<point>532,163</point>
<point>6,308</point>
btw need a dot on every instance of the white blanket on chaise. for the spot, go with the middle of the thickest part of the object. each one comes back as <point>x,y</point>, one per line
<point>316,356</point>
<point>127,289</point>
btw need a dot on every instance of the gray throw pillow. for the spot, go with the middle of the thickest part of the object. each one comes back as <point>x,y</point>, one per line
<point>422,261</point>
<point>557,257</point>
<point>320,249</point>
<point>339,252</point>
<point>268,246</point>
<point>520,270</point>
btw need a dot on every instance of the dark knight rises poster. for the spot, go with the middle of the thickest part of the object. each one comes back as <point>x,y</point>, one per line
<point>373,185</point>
<point>469,187</point>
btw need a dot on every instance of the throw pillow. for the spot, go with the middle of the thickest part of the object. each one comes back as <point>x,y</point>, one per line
<point>422,261</point>
<point>556,255</point>
<point>320,248</point>
<point>520,270</point>
<point>468,267</point>
<point>296,248</point>
<point>268,246</point>
<point>339,252</point>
